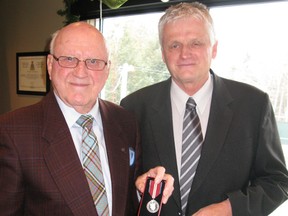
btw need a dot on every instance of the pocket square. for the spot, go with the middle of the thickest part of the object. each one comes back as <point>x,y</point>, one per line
<point>131,156</point>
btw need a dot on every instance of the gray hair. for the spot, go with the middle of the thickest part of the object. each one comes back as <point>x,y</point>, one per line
<point>182,10</point>
<point>52,42</point>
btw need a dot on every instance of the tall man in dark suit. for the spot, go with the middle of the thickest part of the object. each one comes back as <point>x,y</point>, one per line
<point>41,159</point>
<point>241,170</point>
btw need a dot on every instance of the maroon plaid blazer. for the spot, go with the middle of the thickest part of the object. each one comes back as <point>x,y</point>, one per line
<point>40,172</point>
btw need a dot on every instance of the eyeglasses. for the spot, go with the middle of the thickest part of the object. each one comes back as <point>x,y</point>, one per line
<point>72,62</point>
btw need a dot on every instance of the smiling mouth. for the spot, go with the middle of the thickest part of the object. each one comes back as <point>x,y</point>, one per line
<point>79,84</point>
<point>186,65</point>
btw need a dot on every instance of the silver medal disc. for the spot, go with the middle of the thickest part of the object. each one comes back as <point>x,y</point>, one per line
<point>152,206</point>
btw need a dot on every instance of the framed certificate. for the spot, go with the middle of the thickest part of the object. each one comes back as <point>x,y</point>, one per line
<point>32,75</point>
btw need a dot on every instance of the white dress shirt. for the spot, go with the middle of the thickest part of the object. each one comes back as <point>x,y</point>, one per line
<point>71,116</point>
<point>178,102</point>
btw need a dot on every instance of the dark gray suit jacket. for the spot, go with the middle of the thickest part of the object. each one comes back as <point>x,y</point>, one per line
<point>40,171</point>
<point>241,157</point>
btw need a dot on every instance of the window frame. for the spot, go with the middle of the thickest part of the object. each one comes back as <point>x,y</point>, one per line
<point>87,9</point>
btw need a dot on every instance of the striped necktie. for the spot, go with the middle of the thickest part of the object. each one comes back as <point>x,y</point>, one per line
<point>92,165</point>
<point>192,140</point>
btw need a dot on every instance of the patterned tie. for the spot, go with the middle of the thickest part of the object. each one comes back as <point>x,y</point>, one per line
<point>191,149</point>
<point>92,164</point>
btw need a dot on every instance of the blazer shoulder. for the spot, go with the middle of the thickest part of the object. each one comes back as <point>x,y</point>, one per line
<point>32,114</point>
<point>24,114</point>
<point>239,96</point>
<point>147,94</point>
<point>111,110</point>
<point>237,88</point>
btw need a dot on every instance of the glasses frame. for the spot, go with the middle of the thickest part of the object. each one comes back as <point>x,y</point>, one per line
<point>78,60</point>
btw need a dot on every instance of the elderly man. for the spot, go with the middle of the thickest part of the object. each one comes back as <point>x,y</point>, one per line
<point>73,153</point>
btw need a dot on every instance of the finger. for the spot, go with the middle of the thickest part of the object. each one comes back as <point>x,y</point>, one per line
<point>140,182</point>
<point>169,187</point>
<point>158,173</point>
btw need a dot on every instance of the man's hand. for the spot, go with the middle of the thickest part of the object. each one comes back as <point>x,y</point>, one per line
<point>159,174</point>
<point>218,209</point>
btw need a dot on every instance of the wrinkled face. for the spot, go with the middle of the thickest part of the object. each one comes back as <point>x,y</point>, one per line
<point>187,51</point>
<point>78,87</point>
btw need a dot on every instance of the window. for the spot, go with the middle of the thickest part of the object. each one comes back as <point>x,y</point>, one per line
<point>253,48</point>
<point>135,54</point>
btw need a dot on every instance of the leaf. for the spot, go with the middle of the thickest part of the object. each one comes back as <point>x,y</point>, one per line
<point>114,4</point>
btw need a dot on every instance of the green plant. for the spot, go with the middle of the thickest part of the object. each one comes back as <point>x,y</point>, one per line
<point>69,16</point>
<point>114,4</point>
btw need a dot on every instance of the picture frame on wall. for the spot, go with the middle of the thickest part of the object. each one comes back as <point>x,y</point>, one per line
<point>32,74</point>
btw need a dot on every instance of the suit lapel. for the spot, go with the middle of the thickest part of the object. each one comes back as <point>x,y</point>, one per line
<point>118,157</point>
<point>63,162</point>
<point>218,125</point>
<point>219,121</point>
<point>161,123</point>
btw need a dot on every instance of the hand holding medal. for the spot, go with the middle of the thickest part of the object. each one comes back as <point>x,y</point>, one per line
<point>158,188</point>
<point>151,200</point>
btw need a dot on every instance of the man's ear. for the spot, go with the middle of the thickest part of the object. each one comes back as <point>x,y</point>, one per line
<point>163,57</point>
<point>214,49</point>
<point>49,64</point>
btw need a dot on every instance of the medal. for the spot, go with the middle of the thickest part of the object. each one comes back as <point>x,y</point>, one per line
<point>151,201</point>
<point>152,206</point>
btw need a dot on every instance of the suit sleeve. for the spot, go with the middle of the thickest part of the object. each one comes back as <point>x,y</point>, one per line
<point>268,184</point>
<point>11,187</point>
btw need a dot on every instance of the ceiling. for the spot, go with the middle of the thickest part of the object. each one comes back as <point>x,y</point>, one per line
<point>88,9</point>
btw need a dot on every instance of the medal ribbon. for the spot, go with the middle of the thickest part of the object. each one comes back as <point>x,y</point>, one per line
<point>154,191</point>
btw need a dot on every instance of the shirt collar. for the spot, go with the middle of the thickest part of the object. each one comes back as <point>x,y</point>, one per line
<point>202,97</point>
<point>71,115</point>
